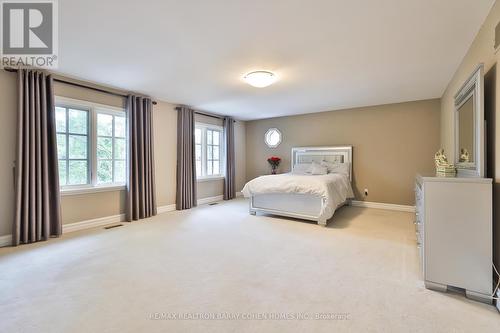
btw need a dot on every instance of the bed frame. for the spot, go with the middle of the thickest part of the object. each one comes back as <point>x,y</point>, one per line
<point>302,206</point>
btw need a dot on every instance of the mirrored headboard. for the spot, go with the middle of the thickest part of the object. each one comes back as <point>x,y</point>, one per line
<point>340,154</point>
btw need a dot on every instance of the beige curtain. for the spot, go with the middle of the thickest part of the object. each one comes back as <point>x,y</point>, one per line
<point>186,163</point>
<point>229,180</point>
<point>38,212</point>
<point>141,196</point>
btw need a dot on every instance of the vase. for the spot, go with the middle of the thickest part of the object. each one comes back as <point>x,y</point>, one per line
<point>273,170</point>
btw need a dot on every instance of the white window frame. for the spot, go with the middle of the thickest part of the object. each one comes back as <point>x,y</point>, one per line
<point>204,127</point>
<point>93,109</point>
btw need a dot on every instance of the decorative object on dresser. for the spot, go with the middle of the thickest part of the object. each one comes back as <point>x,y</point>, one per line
<point>469,126</point>
<point>453,224</point>
<point>464,155</point>
<point>274,162</point>
<point>443,168</point>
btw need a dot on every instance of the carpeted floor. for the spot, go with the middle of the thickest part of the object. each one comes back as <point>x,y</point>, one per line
<point>180,270</point>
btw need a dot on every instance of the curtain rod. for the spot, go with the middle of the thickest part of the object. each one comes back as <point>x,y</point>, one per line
<point>208,115</point>
<point>81,85</point>
<point>204,114</point>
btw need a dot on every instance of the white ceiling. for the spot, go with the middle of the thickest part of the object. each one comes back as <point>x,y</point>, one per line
<point>329,54</point>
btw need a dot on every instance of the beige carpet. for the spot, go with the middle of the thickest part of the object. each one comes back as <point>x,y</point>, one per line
<point>362,271</point>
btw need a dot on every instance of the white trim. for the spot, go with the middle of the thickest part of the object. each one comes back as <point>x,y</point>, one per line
<point>93,189</point>
<point>208,200</point>
<point>70,227</point>
<point>202,179</point>
<point>165,209</point>
<point>5,240</point>
<point>380,205</point>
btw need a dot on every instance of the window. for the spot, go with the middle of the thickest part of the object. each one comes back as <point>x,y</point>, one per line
<point>91,145</point>
<point>208,151</point>
<point>111,148</point>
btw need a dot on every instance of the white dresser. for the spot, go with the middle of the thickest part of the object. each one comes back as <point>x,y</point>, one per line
<point>453,223</point>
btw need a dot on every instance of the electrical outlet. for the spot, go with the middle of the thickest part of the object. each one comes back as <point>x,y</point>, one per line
<point>366,192</point>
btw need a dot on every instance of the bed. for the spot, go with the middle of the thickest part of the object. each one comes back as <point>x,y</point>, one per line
<point>301,194</point>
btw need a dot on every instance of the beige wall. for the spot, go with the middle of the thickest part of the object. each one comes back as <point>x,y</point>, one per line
<point>8,124</point>
<point>76,208</point>
<point>240,138</point>
<point>165,134</point>
<point>480,51</point>
<point>391,143</point>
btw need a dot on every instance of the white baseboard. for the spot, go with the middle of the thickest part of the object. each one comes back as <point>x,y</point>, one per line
<point>77,226</point>
<point>165,209</point>
<point>208,200</point>
<point>70,227</point>
<point>379,205</point>
<point>202,201</point>
<point>5,240</point>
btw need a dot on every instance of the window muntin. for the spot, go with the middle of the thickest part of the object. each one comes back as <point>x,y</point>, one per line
<point>111,148</point>
<point>213,152</point>
<point>72,128</point>
<point>208,151</point>
<point>92,145</point>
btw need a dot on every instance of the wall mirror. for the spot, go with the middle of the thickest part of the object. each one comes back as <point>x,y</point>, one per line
<point>273,137</point>
<point>469,126</point>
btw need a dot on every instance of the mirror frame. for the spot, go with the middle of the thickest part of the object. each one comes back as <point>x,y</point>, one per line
<point>474,86</point>
<point>267,132</point>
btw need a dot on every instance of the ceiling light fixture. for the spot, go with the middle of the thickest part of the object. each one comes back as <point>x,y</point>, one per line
<point>260,79</point>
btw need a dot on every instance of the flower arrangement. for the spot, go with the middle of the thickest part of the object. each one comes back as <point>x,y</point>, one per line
<point>274,161</point>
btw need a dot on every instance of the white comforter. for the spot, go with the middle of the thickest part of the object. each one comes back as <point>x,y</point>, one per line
<point>334,188</point>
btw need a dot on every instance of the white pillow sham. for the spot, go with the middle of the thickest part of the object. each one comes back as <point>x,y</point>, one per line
<point>342,168</point>
<point>318,169</point>
<point>302,168</point>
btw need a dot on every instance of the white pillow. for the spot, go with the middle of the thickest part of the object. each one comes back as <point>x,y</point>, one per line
<point>342,168</point>
<point>302,168</point>
<point>318,169</point>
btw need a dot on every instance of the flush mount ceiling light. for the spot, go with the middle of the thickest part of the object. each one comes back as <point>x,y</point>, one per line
<point>260,79</point>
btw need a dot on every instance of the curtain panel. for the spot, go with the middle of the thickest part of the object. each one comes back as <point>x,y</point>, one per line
<point>141,195</point>
<point>186,162</point>
<point>38,208</point>
<point>230,178</point>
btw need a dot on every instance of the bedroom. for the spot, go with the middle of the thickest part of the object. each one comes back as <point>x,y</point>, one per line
<point>112,211</point>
